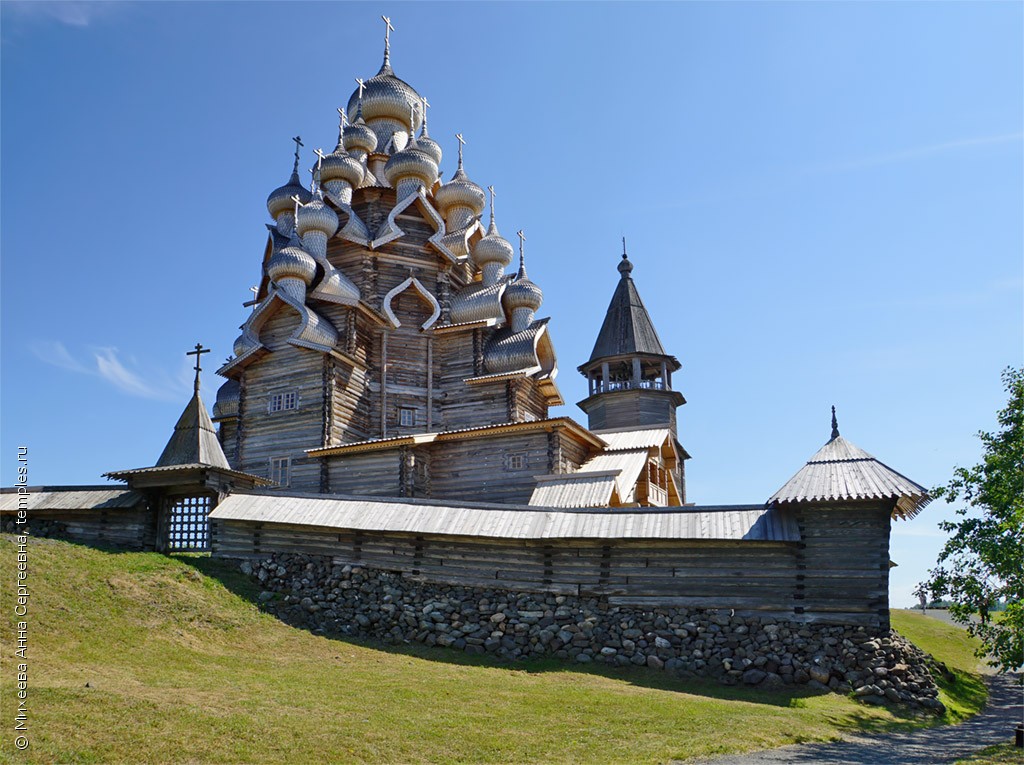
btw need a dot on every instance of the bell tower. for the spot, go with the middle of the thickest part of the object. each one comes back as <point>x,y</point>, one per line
<point>629,374</point>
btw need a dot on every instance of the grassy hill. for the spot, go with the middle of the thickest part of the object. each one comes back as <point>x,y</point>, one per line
<point>137,657</point>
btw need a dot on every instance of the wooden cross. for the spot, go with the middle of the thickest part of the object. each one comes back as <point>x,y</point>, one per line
<point>341,112</point>
<point>491,189</point>
<point>426,105</point>
<point>362,84</point>
<point>298,143</point>
<point>462,142</point>
<point>388,29</point>
<point>198,354</point>
<point>623,246</point>
<point>296,200</point>
<point>522,258</point>
<point>255,294</point>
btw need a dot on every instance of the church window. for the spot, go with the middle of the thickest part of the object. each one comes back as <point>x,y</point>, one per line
<point>516,461</point>
<point>282,401</point>
<point>279,470</point>
<point>406,416</point>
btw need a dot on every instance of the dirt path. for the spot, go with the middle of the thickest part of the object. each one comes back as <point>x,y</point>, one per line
<point>993,725</point>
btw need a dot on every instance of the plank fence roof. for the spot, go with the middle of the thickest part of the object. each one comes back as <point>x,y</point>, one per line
<point>70,498</point>
<point>412,516</point>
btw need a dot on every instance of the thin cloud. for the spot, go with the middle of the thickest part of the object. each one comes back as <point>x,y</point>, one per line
<point>55,354</point>
<point>106,364</point>
<point>72,13</point>
<point>916,153</point>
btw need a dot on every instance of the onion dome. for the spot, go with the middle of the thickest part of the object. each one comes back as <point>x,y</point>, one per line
<point>358,136</point>
<point>280,199</point>
<point>493,248</point>
<point>340,166</point>
<point>522,293</point>
<point>386,98</point>
<point>461,191</point>
<point>291,262</point>
<point>228,396</point>
<point>411,162</point>
<point>242,345</point>
<point>625,267</point>
<point>316,216</point>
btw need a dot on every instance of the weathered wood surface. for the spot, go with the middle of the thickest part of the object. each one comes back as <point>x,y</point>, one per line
<point>699,575</point>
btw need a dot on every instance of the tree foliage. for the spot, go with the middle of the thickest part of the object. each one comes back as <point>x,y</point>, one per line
<point>982,563</point>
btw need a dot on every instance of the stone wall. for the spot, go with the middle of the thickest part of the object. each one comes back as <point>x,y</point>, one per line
<point>312,592</point>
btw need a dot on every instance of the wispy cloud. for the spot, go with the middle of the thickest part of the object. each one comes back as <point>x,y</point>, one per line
<point>73,13</point>
<point>105,363</point>
<point>917,152</point>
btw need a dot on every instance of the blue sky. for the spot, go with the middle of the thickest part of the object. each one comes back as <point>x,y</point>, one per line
<point>823,203</point>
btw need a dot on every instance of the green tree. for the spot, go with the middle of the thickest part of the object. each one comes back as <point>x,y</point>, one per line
<point>982,562</point>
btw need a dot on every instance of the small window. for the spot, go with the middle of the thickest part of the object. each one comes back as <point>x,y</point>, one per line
<point>516,461</point>
<point>281,401</point>
<point>279,469</point>
<point>406,416</point>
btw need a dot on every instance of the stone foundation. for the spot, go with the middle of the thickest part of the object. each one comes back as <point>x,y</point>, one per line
<point>35,527</point>
<point>311,592</point>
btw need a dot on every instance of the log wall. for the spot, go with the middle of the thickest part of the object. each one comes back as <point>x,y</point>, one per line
<point>704,574</point>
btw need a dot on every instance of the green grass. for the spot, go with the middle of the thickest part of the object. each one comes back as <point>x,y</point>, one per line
<point>962,690</point>
<point>1000,754</point>
<point>136,657</point>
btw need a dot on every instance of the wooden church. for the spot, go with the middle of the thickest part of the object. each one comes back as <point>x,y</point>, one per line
<point>392,352</point>
<point>387,405</point>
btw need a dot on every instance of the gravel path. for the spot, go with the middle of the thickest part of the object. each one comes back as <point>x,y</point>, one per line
<point>994,725</point>
<point>934,746</point>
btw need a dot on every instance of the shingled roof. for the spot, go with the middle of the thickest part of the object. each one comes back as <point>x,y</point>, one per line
<point>194,441</point>
<point>841,471</point>
<point>627,328</point>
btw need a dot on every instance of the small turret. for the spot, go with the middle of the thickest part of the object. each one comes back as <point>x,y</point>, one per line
<point>522,297</point>
<point>280,203</point>
<point>629,373</point>
<point>493,252</point>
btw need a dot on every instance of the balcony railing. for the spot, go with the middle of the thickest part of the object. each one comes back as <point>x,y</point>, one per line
<point>599,386</point>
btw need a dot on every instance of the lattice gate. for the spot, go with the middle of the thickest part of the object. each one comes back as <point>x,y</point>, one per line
<point>187,528</point>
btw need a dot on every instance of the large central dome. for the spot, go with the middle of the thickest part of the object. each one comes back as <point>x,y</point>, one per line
<point>387,99</point>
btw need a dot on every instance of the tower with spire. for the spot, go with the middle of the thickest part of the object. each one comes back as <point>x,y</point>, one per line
<point>629,374</point>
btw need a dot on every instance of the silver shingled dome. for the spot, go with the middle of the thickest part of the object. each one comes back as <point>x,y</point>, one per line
<point>340,166</point>
<point>493,248</point>
<point>385,95</point>
<point>411,162</point>
<point>280,199</point>
<point>461,191</point>
<point>522,293</point>
<point>358,135</point>
<point>316,216</point>
<point>292,262</point>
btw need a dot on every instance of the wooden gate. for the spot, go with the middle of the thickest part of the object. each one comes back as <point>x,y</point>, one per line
<point>187,527</point>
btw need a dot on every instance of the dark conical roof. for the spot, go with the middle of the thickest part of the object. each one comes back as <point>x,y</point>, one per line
<point>194,441</point>
<point>627,327</point>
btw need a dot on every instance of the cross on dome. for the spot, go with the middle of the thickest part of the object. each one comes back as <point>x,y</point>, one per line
<point>362,86</point>
<point>462,142</point>
<point>388,29</point>
<point>298,143</point>
<point>344,117</point>
<point>198,354</point>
